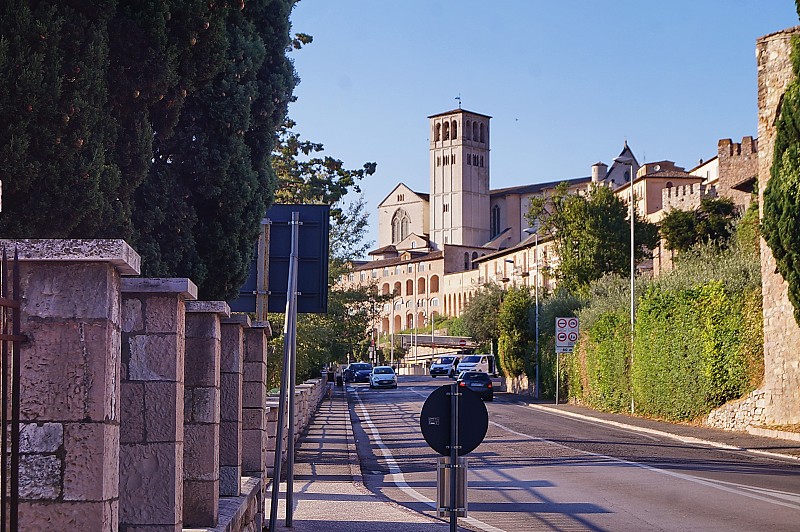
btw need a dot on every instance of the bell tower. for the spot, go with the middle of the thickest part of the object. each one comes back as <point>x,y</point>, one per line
<point>459,171</point>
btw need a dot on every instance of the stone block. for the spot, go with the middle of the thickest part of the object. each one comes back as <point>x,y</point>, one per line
<point>132,420</point>
<point>255,372</point>
<point>230,396</point>
<point>132,314</point>
<point>164,411</point>
<point>202,360</point>
<point>204,406</point>
<point>151,484</point>
<point>91,461</point>
<point>253,394</point>
<point>232,349</point>
<point>254,445</point>
<point>39,476</point>
<point>253,419</point>
<point>255,345</point>
<point>230,443</point>
<point>200,503</point>
<point>164,314</point>
<point>70,291</point>
<point>229,481</point>
<point>72,516</point>
<point>154,358</point>
<point>201,452</point>
<point>40,437</point>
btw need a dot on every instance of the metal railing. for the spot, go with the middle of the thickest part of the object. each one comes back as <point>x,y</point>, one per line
<point>10,339</point>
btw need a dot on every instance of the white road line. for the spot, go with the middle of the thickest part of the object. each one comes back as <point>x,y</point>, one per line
<point>745,492</point>
<point>397,475</point>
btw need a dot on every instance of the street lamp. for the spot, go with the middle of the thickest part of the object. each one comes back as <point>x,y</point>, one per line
<point>629,161</point>
<point>535,232</point>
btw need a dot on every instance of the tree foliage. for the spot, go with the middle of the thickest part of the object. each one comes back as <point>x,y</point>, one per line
<point>782,195</point>
<point>591,233</point>
<point>711,222</point>
<point>479,318</point>
<point>515,325</point>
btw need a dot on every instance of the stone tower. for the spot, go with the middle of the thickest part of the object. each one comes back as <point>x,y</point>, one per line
<point>459,170</point>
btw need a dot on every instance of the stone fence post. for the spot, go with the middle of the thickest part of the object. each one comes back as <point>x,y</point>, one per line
<point>232,363</point>
<point>151,431</point>
<point>202,412</point>
<point>70,381</point>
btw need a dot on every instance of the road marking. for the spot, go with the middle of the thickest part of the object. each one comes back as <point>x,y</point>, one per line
<point>743,491</point>
<point>397,474</point>
<point>593,421</point>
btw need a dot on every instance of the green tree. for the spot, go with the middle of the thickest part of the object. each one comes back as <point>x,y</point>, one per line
<point>782,194</point>
<point>591,233</point>
<point>514,322</point>
<point>711,222</point>
<point>479,318</point>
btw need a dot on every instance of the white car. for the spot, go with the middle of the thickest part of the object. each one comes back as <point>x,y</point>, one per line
<point>383,377</point>
<point>474,363</point>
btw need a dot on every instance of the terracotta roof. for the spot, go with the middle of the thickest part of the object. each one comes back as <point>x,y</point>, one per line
<point>385,263</point>
<point>382,250</point>
<point>538,187</point>
<point>459,110</point>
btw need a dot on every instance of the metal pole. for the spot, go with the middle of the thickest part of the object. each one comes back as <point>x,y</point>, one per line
<point>536,290</point>
<point>453,455</point>
<point>285,376</point>
<point>633,272</point>
<point>391,336</point>
<point>293,264</point>
<point>557,377</point>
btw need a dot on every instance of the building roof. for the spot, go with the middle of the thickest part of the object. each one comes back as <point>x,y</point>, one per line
<point>459,110</point>
<point>385,263</point>
<point>384,249</point>
<point>538,187</point>
<point>422,195</point>
<point>528,242</point>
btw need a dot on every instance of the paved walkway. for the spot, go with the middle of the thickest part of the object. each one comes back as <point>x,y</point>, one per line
<point>329,495</point>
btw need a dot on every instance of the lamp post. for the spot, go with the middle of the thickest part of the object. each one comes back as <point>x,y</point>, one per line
<point>629,161</point>
<point>535,231</point>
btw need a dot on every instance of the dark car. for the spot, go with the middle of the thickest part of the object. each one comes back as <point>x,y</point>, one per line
<point>478,382</point>
<point>358,372</point>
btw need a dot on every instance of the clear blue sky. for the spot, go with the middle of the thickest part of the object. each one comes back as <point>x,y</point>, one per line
<point>565,81</point>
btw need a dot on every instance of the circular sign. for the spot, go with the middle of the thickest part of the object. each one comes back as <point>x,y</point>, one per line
<point>434,420</point>
<point>561,323</point>
<point>573,323</point>
<point>562,337</point>
<point>462,342</point>
<point>573,337</point>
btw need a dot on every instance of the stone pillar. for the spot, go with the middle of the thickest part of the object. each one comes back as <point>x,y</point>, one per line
<point>70,369</point>
<point>201,412</point>
<point>781,403</point>
<point>232,361</point>
<point>254,396</point>
<point>151,427</point>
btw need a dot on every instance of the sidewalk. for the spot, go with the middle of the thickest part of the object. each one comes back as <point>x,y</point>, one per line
<point>328,494</point>
<point>778,444</point>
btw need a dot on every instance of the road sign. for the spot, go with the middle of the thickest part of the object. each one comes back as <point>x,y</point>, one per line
<point>566,334</point>
<point>434,420</point>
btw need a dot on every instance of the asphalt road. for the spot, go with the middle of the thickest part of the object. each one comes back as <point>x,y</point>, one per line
<point>541,470</point>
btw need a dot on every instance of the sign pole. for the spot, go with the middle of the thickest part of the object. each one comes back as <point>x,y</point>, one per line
<point>291,299</point>
<point>557,376</point>
<point>453,455</point>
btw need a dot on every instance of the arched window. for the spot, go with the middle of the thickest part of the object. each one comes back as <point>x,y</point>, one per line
<point>455,130</point>
<point>466,130</point>
<point>475,131</point>
<point>434,302</point>
<point>385,289</point>
<point>626,176</point>
<point>410,287</point>
<point>474,258</point>
<point>397,288</point>
<point>398,323</point>
<point>446,133</point>
<point>401,226</point>
<point>434,284</point>
<point>483,135</point>
<point>438,134</point>
<point>466,261</point>
<point>421,285</point>
<point>669,184</point>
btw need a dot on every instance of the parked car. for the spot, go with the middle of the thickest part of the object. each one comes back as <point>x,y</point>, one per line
<point>474,363</point>
<point>358,372</point>
<point>383,377</point>
<point>445,365</point>
<point>478,382</point>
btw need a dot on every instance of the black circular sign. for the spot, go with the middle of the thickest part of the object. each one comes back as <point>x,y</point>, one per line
<point>434,420</point>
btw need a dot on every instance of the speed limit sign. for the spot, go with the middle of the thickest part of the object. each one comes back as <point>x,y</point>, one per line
<point>566,334</point>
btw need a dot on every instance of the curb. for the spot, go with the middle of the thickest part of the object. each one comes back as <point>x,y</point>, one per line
<point>683,439</point>
<point>772,433</point>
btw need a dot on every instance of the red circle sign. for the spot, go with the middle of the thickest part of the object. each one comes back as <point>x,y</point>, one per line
<point>573,323</point>
<point>573,337</point>
<point>562,337</point>
<point>462,342</point>
<point>561,323</point>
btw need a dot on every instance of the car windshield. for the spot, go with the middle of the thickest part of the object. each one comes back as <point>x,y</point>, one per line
<point>383,371</point>
<point>360,367</point>
<point>444,360</point>
<point>471,359</point>
<point>475,377</point>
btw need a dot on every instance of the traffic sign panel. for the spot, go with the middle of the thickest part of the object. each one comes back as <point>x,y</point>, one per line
<point>434,420</point>
<point>566,334</point>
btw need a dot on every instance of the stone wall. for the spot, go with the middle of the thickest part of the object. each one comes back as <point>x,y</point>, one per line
<point>737,163</point>
<point>124,385</point>
<point>777,401</point>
